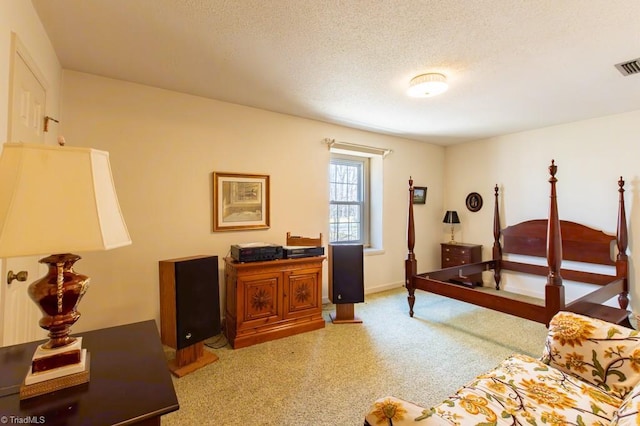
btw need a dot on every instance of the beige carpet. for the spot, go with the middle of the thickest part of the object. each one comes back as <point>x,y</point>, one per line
<point>331,376</point>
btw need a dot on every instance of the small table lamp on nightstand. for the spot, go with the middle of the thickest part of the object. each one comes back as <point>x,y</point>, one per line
<point>451,217</point>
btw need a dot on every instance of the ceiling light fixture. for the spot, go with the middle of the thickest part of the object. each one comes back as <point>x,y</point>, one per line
<point>427,85</point>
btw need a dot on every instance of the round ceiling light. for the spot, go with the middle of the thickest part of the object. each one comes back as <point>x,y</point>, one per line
<point>426,85</point>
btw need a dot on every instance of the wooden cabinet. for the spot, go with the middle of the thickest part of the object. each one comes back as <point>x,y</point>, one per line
<point>456,254</point>
<point>272,299</point>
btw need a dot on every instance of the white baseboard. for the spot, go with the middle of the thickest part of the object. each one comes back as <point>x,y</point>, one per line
<point>371,290</point>
<point>383,287</point>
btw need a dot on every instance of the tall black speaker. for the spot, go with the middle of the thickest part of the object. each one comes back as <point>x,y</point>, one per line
<point>189,307</point>
<point>346,276</point>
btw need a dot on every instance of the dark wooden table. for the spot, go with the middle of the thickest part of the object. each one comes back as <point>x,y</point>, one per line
<point>130,382</point>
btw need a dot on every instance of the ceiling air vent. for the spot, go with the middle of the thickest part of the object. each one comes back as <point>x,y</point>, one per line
<point>629,67</point>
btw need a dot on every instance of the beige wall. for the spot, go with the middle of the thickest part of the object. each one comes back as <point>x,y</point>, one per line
<point>164,147</point>
<point>591,156</point>
<point>19,17</point>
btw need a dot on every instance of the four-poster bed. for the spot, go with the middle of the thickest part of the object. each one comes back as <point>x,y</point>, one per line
<point>566,240</point>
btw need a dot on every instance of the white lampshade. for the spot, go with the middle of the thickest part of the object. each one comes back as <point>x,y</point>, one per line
<point>57,199</point>
<point>427,85</point>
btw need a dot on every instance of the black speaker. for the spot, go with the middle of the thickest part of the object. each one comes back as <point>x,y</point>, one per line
<point>346,276</point>
<point>189,300</point>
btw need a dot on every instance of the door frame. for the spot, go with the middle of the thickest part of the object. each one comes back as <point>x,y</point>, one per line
<point>17,49</point>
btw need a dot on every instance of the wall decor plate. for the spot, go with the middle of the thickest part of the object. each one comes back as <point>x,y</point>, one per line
<point>474,201</point>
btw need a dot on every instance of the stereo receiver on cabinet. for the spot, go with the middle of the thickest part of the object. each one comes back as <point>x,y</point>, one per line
<point>294,252</point>
<point>254,252</point>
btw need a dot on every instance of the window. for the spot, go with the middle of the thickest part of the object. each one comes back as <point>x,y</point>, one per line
<point>348,197</point>
<point>356,195</point>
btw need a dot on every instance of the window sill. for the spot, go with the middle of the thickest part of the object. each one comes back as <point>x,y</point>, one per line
<point>373,251</point>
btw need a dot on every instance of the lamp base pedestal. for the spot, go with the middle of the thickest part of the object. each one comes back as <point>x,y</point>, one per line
<point>55,369</point>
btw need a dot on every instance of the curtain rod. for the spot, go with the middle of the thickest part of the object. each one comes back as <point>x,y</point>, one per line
<point>358,148</point>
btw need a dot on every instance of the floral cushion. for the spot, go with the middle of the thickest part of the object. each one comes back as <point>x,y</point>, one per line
<point>521,391</point>
<point>396,412</point>
<point>629,412</point>
<point>589,374</point>
<point>603,354</point>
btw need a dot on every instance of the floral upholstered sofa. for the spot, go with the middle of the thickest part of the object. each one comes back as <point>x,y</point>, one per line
<point>589,374</point>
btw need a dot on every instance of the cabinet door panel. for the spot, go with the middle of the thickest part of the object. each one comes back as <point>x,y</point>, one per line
<point>261,301</point>
<point>302,292</point>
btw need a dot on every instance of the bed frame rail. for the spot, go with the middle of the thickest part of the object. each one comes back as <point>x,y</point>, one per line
<point>496,302</point>
<point>568,274</point>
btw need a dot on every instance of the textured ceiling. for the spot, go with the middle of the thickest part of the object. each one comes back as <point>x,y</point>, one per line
<point>512,65</point>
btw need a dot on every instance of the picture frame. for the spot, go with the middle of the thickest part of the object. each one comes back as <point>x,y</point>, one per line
<point>419,194</point>
<point>474,202</point>
<point>240,201</point>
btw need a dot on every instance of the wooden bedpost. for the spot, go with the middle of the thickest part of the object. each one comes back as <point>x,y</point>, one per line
<point>410,265</point>
<point>497,248</point>
<point>554,291</point>
<point>622,265</point>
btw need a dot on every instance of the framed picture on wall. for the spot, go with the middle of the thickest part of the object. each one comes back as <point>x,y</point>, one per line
<point>240,201</point>
<point>419,194</point>
<point>474,202</point>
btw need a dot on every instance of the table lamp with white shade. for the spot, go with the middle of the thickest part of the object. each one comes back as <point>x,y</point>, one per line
<point>57,199</point>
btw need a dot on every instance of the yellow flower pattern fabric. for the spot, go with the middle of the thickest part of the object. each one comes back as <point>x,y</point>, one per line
<point>524,391</point>
<point>603,354</point>
<point>629,412</point>
<point>589,375</point>
<point>389,410</point>
<point>520,391</point>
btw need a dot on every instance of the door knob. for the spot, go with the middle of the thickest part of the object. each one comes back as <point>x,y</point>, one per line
<point>20,276</point>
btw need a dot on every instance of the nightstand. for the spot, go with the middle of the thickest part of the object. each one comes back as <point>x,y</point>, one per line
<point>130,382</point>
<point>456,254</point>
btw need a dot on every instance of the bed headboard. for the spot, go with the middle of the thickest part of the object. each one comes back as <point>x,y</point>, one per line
<point>580,243</point>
